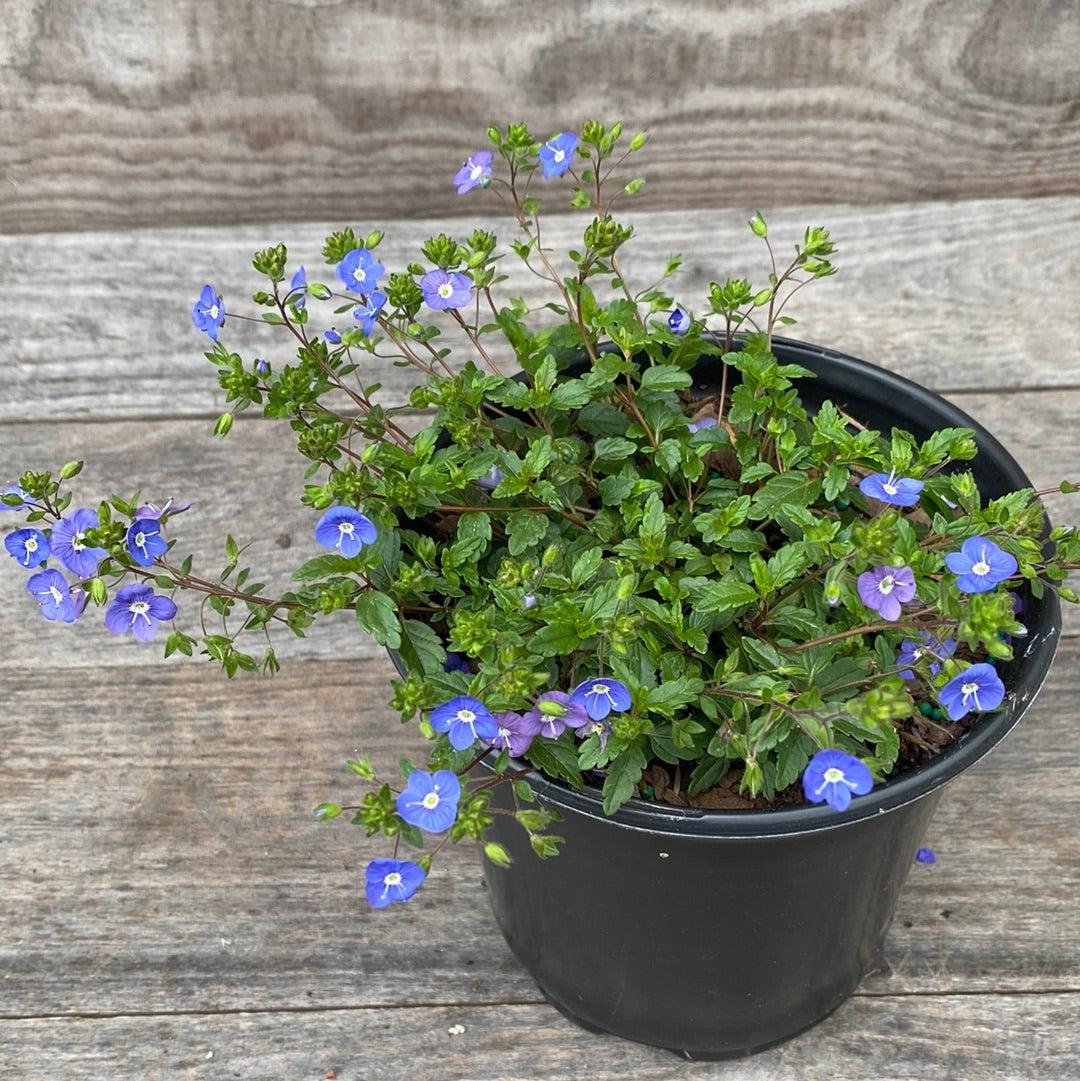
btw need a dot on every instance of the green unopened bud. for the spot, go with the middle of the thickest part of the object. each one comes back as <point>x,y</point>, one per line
<point>550,556</point>
<point>627,585</point>
<point>757,224</point>
<point>224,425</point>
<point>97,591</point>
<point>495,136</point>
<point>497,854</point>
<point>551,709</point>
<point>638,140</point>
<point>373,238</point>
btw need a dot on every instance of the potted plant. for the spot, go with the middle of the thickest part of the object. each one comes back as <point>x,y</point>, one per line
<point>708,615</point>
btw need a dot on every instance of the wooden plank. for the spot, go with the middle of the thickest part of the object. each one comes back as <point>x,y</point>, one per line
<point>215,111</point>
<point>158,855</point>
<point>922,289</point>
<point>903,1038</point>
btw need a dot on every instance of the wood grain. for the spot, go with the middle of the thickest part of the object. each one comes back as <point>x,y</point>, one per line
<point>123,114</point>
<point>946,294</point>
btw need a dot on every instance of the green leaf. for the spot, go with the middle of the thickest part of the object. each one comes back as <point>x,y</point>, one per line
<point>378,615</point>
<point>322,567</point>
<point>795,488</point>
<point>557,758</point>
<point>727,593</point>
<point>613,449</point>
<point>664,377</point>
<point>421,648</point>
<point>525,530</point>
<point>623,775</point>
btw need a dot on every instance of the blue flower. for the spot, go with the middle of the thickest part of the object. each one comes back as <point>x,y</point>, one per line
<point>555,712</point>
<point>599,697</point>
<point>443,290</point>
<point>298,289</point>
<point>925,855</point>
<point>475,173</point>
<point>515,733</point>
<point>29,546</point>
<point>884,589</point>
<point>978,687</point>
<point>492,479</point>
<point>69,546</point>
<point>14,489</point>
<point>911,652</point>
<point>429,800</point>
<point>368,314</point>
<point>145,542</point>
<point>980,565</point>
<point>137,608</point>
<point>697,425</point>
<point>152,510</point>
<point>359,272</point>
<point>678,321</point>
<point>333,335</point>
<point>386,882</point>
<point>889,488</point>
<point>465,719</point>
<point>557,154</point>
<point>261,367</point>
<point>456,662</point>
<point>209,312</point>
<point>51,590</point>
<point>832,776</point>
<point>346,529</point>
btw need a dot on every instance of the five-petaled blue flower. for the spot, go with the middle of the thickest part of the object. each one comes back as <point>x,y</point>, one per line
<point>51,590</point>
<point>475,173</point>
<point>515,734</point>
<point>69,545</point>
<point>298,289</point>
<point>386,882</point>
<point>29,546</point>
<point>346,529</point>
<point>980,565</point>
<point>333,335</point>
<point>832,777</point>
<point>368,314</point>
<point>678,321</point>
<point>599,697</point>
<point>557,154</point>
<point>429,800</point>
<point>925,855</point>
<point>14,489</point>
<point>209,312</point>
<point>978,687</point>
<point>911,652</point>
<point>145,542</point>
<point>554,712</point>
<point>359,272</point>
<point>465,720</point>
<point>446,289</point>
<point>137,608</point>
<point>889,488</point>
<point>884,589</point>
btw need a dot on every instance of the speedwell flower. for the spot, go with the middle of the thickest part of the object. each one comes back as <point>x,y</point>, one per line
<point>554,712</point>
<point>429,800</point>
<point>446,289</point>
<point>30,547</point>
<point>557,154</point>
<point>492,479</point>
<point>152,510</point>
<point>475,173</point>
<point>889,488</point>
<point>145,542</point>
<point>209,312</point>
<point>697,425</point>
<point>68,542</point>
<point>465,720</point>
<point>359,272</point>
<point>137,608</point>
<point>14,489</point>
<point>911,652</point>
<point>678,321</point>
<point>599,697</point>
<point>980,565</point>
<point>978,687</point>
<point>346,529</point>
<point>333,335</point>
<point>925,855</point>
<point>832,777</point>
<point>298,289</point>
<point>456,662</point>
<point>51,590</point>
<point>884,589</point>
<point>386,882</point>
<point>515,733</point>
<point>368,314</point>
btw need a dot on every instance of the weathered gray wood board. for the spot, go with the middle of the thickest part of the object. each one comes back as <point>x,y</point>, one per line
<point>217,111</point>
<point>972,295</point>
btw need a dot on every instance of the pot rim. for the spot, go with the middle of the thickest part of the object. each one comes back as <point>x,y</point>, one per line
<point>1029,667</point>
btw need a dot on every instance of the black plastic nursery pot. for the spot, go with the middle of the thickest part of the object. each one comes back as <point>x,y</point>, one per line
<point>717,934</point>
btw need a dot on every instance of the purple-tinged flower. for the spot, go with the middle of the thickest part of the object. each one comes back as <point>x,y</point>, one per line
<point>884,589</point>
<point>976,688</point>
<point>359,272</point>
<point>346,529</point>
<point>446,289</point>
<point>465,720</point>
<point>600,729</point>
<point>600,696</point>
<point>298,289</point>
<point>980,565</point>
<point>678,321</point>
<point>557,154</point>
<point>30,547</point>
<point>528,601</point>
<point>152,510</point>
<point>69,545</point>
<point>889,488</point>
<point>456,662</point>
<point>698,425</point>
<point>832,776</point>
<point>333,335</point>
<point>492,479</point>
<point>209,312</point>
<point>925,855</point>
<point>515,733</point>
<point>555,712</point>
<point>368,314</point>
<point>51,590</point>
<point>137,608</point>
<point>14,489</point>
<point>429,800</point>
<point>475,173</point>
<point>261,367</point>
<point>387,882</point>
<point>145,542</point>
<point>911,652</point>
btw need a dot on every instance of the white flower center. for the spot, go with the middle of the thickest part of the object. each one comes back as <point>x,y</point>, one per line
<point>446,290</point>
<point>31,544</point>
<point>971,690</point>
<point>476,171</point>
<point>346,529</point>
<point>559,155</point>
<point>139,608</point>
<point>600,688</point>
<point>57,596</point>
<point>504,734</point>
<point>140,540</point>
<point>77,544</point>
<point>212,311</point>
<point>833,775</point>
<point>889,489</point>
<point>431,801</point>
<point>359,274</point>
<point>392,879</point>
<point>885,586</point>
<point>980,568</point>
<point>466,715</point>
